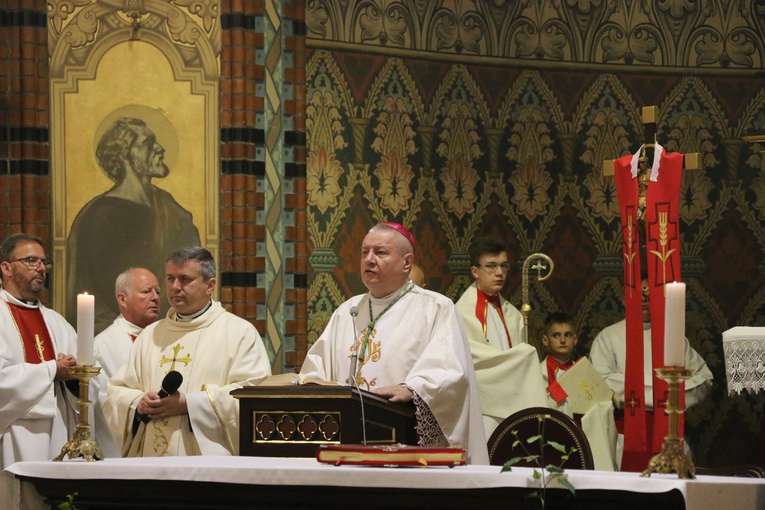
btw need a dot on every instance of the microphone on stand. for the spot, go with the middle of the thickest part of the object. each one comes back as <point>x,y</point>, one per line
<point>352,375</point>
<point>170,385</point>
<point>355,356</point>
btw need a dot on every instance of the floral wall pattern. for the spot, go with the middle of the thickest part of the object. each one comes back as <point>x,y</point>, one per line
<point>496,144</point>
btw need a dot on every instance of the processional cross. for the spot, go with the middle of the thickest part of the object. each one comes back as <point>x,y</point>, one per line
<point>650,230</point>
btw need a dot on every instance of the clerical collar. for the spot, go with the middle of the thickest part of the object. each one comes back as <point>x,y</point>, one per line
<point>379,304</point>
<point>187,318</point>
<point>23,302</point>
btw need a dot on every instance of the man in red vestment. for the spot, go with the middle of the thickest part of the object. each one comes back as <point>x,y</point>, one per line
<point>36,346</point>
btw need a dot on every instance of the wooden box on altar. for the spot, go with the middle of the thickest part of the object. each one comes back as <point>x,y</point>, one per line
<point>291,421</point>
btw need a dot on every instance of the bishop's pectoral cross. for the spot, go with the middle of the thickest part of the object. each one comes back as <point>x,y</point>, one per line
<point>185,360</point>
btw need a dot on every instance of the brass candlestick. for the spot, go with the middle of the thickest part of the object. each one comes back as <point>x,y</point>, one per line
<point>82,445</point>
<point>672,458</point>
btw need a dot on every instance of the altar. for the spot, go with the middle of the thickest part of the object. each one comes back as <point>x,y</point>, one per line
<point>277,482</point>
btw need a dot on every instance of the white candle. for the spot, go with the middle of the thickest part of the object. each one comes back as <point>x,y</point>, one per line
<point>674,325</point>
<point>85,325</point>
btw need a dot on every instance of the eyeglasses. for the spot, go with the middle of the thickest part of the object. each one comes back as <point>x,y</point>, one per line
<point>492,266</point>
<point>34,262</point>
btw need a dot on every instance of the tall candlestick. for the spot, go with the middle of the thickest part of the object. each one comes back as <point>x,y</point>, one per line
<point>85,325</point>
<point>674,325</point>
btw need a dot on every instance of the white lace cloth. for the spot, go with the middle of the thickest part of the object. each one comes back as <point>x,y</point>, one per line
<point>744,349</point>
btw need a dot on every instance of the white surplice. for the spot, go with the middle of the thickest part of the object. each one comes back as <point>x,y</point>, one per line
<point>418,342</point>
<point>508,378</point>
<point>111,350</point>
<point>215,353</point>
<point>609,354</point>
<point>36,415</point>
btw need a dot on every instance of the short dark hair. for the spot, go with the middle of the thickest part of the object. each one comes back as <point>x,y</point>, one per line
<point>10,243</point>
<point>558,318</point>
<point>201,255</point>
<point>485,246</point>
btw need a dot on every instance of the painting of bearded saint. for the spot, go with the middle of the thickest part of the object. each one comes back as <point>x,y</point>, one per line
<point>133,224</point>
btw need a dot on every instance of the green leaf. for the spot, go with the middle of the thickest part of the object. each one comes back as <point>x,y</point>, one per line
<point>557,446</point>
<point>554,469</point>
<point>564,482</point>
<point>533,438</point>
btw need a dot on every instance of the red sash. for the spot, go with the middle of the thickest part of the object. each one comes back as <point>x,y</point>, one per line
<point>482,310</point>
<point>554,389</point>
<point>663,259</point>
<point>35,338</point>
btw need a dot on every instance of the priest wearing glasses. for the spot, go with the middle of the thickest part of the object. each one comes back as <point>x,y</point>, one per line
<point>507,368</point>
<point>405,343</point>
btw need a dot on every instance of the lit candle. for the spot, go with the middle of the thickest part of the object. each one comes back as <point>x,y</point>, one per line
<point>674,325</point>
<point>85,325</point>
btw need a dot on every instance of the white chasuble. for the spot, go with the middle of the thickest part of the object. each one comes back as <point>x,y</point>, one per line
<point>215,352</point>
<point>419,342</point>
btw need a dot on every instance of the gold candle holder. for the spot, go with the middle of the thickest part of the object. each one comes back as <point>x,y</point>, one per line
<point>672,458</point>
<point>82,445</point>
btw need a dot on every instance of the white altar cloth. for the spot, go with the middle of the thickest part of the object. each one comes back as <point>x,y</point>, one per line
<point>744,351</point>
<point>706,492</point>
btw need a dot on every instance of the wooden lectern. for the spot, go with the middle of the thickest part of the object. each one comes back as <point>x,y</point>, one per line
<point>292,421</point>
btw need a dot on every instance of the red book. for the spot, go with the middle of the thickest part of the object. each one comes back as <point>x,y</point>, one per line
<point>390,455</point>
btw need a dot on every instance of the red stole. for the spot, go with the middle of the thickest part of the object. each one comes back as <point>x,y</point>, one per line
<point>482,310</point>
<point>555,389</point>
<point>35,338</point>
<point>663,259</point>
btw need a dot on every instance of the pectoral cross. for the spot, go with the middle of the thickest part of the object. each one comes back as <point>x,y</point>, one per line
<point>633,403</point>
<point>40,348</point>
<point>185,360</point>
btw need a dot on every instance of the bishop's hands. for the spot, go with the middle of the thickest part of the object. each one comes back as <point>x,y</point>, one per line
<point>152,406</point>
<point>397,393</point>
<point>63,364</point>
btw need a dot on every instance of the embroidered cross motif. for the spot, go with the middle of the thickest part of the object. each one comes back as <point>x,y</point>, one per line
<point>40,348</point>
<point>663,402</point>
<point>185,360</point>
<point>633,403</point>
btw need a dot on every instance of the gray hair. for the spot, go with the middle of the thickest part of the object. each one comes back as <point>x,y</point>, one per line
<point>201,255</point>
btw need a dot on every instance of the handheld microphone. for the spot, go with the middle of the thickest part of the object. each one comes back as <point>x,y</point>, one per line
<point>170,385</point>
<point>355,356</point>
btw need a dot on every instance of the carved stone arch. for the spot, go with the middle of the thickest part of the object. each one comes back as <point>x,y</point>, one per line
<point>186,54</point>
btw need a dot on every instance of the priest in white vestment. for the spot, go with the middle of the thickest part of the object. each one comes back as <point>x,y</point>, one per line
<point>506,366</point>
<point>37,349</point>
<point>609,355</point>
<point>137,293</point>
<point>406,343</point>
<point>214,351</point>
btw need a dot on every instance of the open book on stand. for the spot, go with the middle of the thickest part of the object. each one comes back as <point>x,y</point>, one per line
<point>293,379</point>
<point>390,455</point>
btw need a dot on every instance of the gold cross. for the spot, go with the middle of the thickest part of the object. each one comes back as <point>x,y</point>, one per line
<point>185,360</point>
<point>40,348</point>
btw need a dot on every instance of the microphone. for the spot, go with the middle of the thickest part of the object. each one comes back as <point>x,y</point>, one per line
<point>355,356</point>
<point>170,385</point>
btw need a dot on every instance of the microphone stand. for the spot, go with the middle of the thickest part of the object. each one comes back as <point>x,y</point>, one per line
<point>352,380</point>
